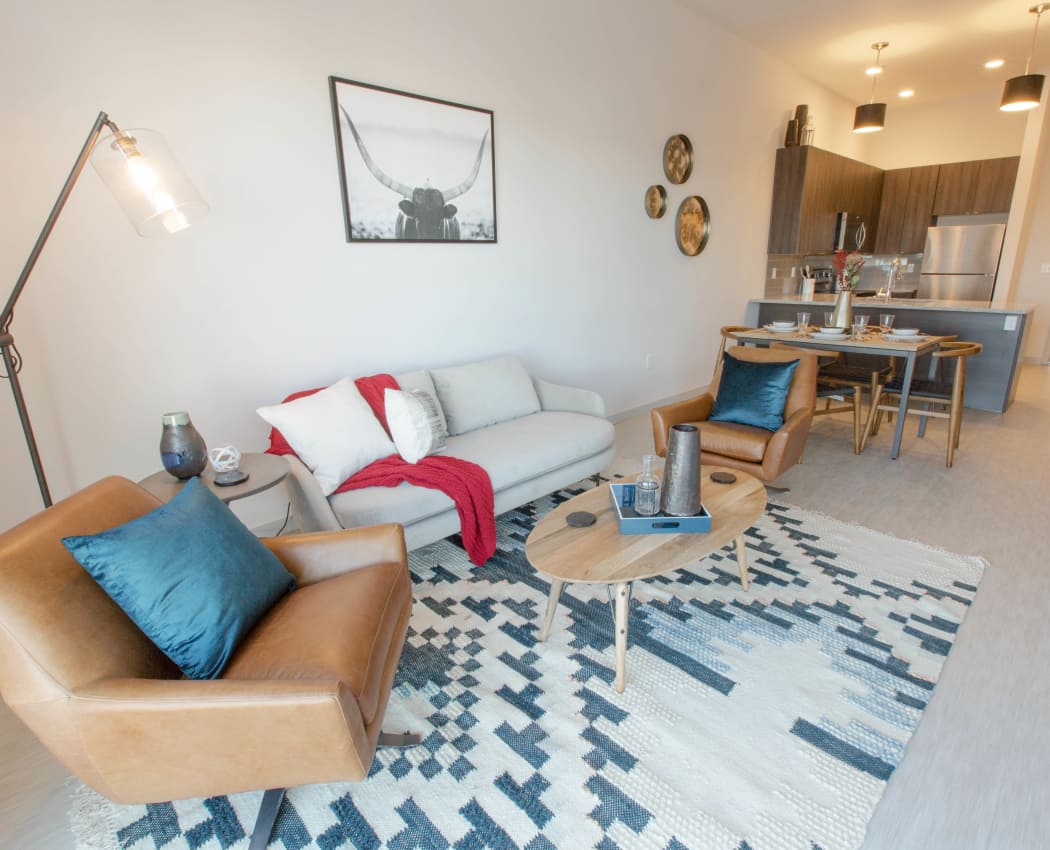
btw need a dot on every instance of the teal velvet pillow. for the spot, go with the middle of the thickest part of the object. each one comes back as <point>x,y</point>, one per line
<point>752,393</point>
<point>189,574</point>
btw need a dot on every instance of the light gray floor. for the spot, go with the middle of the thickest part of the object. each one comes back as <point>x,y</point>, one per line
<point>975,775</point>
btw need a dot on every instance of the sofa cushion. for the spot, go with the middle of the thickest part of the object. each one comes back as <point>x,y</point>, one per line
<point>484,393</point>
<point>752,392</point>
<point>554,439</point>
<point>413,421</point>
<point>333,431</point>
<point>308,635</point>
<point>189,574</point>
<point>421,380</point>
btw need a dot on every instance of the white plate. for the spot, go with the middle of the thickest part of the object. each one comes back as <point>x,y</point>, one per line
<point>841,332</point>
<point>829,337</point>
<point>776,330</point>
<point>904,337</point>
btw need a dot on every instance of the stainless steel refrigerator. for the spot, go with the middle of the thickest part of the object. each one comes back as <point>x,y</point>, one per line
<point>960,262</point>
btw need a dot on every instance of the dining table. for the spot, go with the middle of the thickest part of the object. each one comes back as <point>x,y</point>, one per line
<point>871,341</point>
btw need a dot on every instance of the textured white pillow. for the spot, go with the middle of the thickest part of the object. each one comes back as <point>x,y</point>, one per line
<point>333,431</point>
<point>414,423</point>
<point>484,393</point>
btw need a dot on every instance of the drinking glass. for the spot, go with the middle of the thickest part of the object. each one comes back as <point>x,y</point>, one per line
<point>860,325</point>
<point>886,322</point>
<point>829,317</point>
<point>802,317</point>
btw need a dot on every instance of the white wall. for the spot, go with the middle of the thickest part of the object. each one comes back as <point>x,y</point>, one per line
<point>951,131</point>
<point>265,297</point>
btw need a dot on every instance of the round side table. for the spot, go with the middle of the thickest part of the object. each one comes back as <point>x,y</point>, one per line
<point>264,471</point>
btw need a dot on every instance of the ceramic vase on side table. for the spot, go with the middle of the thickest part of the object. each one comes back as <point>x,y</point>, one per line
<point>182,449</point>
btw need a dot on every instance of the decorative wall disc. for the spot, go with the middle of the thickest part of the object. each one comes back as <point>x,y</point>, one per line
<point>678,158</point>
<point>655,201</point>
<point>692,225</point>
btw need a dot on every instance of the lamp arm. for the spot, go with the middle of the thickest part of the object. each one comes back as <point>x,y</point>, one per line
<point>8,352</point>
<point>56,211</point>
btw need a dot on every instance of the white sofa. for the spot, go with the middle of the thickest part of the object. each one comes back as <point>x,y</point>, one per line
<point>531,436</point>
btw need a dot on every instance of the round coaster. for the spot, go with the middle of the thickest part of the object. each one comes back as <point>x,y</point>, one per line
<point>581,519</point>
<point>229,478</point>
<point>723,477</point>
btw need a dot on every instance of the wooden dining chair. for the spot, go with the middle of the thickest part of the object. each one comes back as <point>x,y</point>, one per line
<point>940,399</point>
<point>846,394</point>
<point>727,332</point>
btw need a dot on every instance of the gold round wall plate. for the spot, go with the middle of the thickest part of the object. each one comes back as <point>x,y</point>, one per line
<point>655,201</point>
<point>692,225</point>
<point>678,158</point>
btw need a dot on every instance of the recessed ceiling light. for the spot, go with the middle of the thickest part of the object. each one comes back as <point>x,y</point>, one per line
<point>873,70</point>
<point>994,63</point>
<point>906,92</point>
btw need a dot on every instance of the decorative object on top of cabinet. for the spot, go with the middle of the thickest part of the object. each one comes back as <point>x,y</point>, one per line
<point>977,186</point>
<point>791,133</point>
<point>678,158</point>
<point>655,201</point>
<point>906,210</point>
<point>692,225</point>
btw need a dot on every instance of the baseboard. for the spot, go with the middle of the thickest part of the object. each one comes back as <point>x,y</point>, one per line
<point>645,408</point>
<point>1037,361</point>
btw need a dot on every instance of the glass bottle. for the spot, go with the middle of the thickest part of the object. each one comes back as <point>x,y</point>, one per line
<point>647,489</point>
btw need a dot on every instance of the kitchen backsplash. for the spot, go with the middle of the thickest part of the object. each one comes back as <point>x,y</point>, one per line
<point>784,275</point>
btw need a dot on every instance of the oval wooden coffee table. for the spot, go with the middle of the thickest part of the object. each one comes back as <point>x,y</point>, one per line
<point>599,554</point>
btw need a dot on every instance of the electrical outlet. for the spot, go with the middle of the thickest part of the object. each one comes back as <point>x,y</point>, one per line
<point>773,273</point>
<point>1044,268</point>
<point>910,267</point>
<point>648,362</point>
<point>1010,323</point>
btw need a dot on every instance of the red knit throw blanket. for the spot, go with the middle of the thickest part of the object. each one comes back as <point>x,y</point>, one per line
<point>466,483</point>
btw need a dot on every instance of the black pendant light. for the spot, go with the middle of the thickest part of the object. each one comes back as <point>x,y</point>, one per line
<point>1024,92</point>
<point>871,117</point>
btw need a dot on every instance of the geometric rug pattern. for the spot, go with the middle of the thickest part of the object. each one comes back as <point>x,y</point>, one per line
<point>771,718</point>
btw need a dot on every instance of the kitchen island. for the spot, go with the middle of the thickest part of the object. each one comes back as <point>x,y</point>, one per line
<point>991,377</point>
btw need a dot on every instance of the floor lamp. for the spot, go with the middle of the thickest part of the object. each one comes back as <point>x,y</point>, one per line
<point>153,191</point>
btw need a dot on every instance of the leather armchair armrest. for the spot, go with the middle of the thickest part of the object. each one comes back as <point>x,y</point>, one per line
<point>695,409</point>
<point>314,557</point>
<point>573,399</point>
<point>244,734</point>
<point>785,447</point>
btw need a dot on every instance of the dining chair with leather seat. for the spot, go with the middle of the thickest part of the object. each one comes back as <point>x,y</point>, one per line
<point>301,700</point>
<point>764,453</point>
<point>940,398</point>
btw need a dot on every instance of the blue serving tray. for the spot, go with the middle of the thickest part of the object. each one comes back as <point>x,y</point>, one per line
<point>632,523</point>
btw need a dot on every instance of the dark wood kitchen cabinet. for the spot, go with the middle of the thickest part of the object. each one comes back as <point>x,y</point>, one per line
<point>810,187</point>
<point>906,210</point>
<point>978,186</point>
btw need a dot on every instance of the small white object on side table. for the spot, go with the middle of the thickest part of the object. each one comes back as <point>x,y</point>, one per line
<point>264,471</point>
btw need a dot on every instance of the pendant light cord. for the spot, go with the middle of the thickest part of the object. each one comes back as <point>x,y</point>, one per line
<point>1035,33</point>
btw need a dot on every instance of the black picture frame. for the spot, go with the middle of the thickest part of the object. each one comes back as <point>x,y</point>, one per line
<point>413,168</point>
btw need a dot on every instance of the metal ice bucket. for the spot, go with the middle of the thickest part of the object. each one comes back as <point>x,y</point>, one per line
<point>680,495</point>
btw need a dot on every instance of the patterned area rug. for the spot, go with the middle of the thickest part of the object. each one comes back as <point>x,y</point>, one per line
<point>766,719</point>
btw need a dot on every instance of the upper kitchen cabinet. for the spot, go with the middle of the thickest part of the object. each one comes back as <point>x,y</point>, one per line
<point>979,186</point>
<point>810,188</point>
<point>906,210</point>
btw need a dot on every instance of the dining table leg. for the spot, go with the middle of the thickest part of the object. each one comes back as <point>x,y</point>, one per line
<point>898,432</point>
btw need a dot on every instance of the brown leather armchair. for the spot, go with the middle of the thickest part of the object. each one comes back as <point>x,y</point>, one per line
<point>765,454</point>
<point>301,701</point>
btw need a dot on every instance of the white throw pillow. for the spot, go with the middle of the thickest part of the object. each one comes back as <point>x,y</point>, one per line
<point>333,431</point>
<point>415,423</point>
<point>480,394</point>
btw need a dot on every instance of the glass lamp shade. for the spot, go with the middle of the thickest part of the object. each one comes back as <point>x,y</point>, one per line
<point>148,182</point>
<point>1020,93</point>
<point>869,118</point>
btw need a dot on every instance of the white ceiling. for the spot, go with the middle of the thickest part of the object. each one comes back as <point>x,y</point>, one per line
<point>937,47</point>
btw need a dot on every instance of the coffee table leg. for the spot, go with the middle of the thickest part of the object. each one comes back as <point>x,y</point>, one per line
<point>622,592</point>
<point>552,606</point>
<point>741,560</point>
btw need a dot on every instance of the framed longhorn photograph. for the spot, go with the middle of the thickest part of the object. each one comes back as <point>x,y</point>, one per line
<point>413,168</point>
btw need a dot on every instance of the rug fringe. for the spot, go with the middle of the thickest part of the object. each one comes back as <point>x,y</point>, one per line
<point>90,819</point>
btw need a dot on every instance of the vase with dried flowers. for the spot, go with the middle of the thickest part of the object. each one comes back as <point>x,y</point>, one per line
<point>847,276</point>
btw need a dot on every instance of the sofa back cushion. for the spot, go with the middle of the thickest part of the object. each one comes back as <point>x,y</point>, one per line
<point>484,393</point>
<point>421,380</point>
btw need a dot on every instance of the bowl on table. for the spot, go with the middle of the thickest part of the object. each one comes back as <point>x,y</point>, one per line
<point>783,326</point>
<point>904,331</point>
<point>825,330</point>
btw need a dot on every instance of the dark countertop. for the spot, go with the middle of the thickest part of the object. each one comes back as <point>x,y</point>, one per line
<point>905,304</point>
